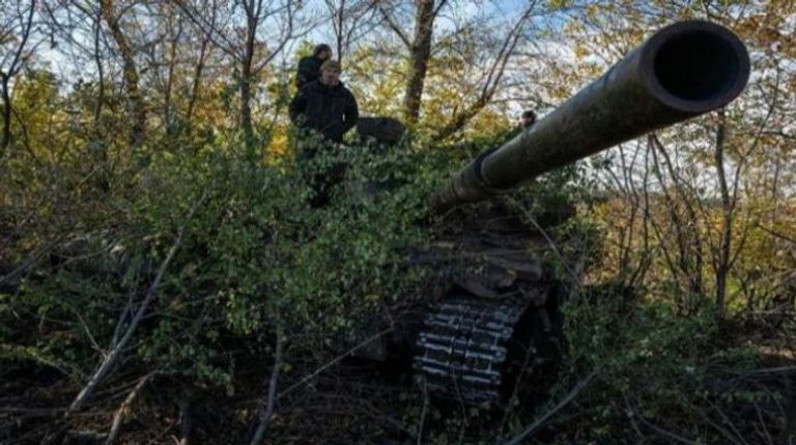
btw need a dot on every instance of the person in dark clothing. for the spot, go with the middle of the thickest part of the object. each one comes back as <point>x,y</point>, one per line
<point>325,105</point>
<point>323,110</point>
<point>527,119</point>
<point>309,68</point>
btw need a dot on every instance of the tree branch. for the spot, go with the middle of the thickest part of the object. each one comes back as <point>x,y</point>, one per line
<point>333,362</point>
<point>493,78</point>
<point>542,420</point>
<point>393,26</point>
<point>267,406</point>
<point>125,407</point>
<point>116,349</point>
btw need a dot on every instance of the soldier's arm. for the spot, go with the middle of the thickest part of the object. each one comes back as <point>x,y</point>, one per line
<point>305,71</point>
<point>297,107</point>
<point>351,113</point>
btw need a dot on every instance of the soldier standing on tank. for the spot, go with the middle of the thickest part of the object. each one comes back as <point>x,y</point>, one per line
<point>323,110</point>
<point>527,119</point>
<point>309,68</point>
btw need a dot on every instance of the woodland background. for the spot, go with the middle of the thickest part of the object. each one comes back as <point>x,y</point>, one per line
<point>162,279</point>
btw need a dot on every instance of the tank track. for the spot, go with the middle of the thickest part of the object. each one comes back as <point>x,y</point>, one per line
<point>468,348</point>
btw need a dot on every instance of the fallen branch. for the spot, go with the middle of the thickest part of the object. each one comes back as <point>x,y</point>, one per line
<point>669,435</point>
<point>734,438</point>
<point>673,438</point>
<point>185,422</point>
<point>32,412</point>
<point>125,407</point>
<point>777,370</point>
<point>423,414</point>
<point>117,347</point>
<point>333,362</point>
<point>788,434</point>
<point>267,407</point>
<point>765,432</point>
<point>542,420</point>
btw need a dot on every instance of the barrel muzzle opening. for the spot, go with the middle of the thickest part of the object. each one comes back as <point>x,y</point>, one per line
<point>697,66</point>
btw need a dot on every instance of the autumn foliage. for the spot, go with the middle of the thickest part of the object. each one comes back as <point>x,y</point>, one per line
<point>163,278</point>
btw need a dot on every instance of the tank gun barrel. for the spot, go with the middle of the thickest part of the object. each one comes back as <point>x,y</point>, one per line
<point>683,70</point>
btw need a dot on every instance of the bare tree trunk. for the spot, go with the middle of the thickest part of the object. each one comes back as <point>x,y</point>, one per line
<point>246,54</point>
<point>247,76</point>
<point>7,72</point>
<point>168,113</point>
<point>419,55</point>
<point>723,258</point>
<point>197,82</point>
<point>246,110</point>
<point>6,114</point>
<point>136,108</point>
<point>338,24</point>
<point>100,77</point>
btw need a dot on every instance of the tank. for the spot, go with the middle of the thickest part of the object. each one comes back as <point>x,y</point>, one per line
<point>490,312</point>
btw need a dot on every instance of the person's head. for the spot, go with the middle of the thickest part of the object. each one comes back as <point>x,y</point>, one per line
<point>527,118</point>
<point>323,51</point>
<point>330,72</point>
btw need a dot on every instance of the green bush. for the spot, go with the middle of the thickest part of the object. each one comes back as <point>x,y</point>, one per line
<point>253,254</point>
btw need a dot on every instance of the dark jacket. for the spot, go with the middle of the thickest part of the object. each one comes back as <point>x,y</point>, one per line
<point>309,69</point>
<point>331,111</point>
